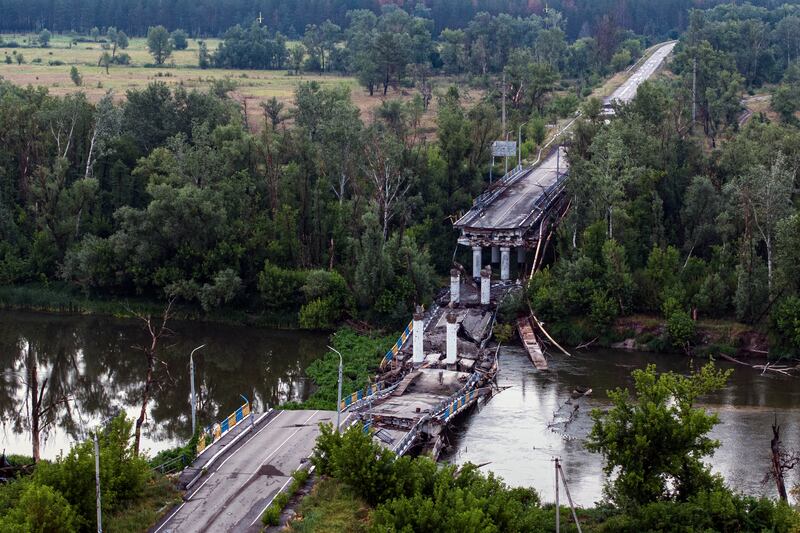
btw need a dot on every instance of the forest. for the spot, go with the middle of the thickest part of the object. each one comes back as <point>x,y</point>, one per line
<point>324,213</point>
<point>290,17</point>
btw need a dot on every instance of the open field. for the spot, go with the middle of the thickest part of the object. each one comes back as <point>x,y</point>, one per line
<point>253,86</point>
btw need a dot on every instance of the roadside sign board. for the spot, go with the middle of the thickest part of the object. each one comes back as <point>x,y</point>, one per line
<point>504,148</point>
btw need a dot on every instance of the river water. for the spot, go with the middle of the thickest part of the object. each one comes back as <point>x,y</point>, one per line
<point>522,428</point>
<point>92,361</point>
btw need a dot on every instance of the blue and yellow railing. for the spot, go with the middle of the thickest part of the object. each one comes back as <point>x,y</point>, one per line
<point>460,403</point>
<point>361,394</point>
<point>214,432</point>
<point>397,345</point>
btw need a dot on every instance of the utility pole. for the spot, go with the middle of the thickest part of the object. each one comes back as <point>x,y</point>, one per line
<point>558,510</point>
<point>97,483</point>
<point>504,103</point>
<point>194,402</point>
<point>694,91</point>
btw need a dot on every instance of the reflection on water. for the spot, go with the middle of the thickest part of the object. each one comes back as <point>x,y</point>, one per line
<point>92,362</point>
<point>522,428</point>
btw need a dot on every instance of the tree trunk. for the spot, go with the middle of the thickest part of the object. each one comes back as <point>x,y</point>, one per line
<point>145,400</point>
<point>34,398</point>
<point>768,242</point>
<point>776,461</point>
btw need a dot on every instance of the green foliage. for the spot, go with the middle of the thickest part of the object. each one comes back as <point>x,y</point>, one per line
<point>655,440</point>
<point>504,333</point>
<point>254,47</point>
<point>414,495</point>
<point>75,76</point>
<point>786,327</point>
<point>44,38</point>
<point>40,508</point>
<point>123,474</point>
<point>680,328</point>
<point>159,44</point>
<point>180,39</point>
<point>361,355</point>
<point>714,510</point>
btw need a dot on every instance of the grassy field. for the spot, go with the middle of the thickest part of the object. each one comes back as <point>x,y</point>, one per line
<point>253,86</point>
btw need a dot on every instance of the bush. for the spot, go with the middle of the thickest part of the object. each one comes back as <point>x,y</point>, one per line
<point>680,328</point>
<point>41,509</point>
<point>123,474</point>
<point>272,515</point>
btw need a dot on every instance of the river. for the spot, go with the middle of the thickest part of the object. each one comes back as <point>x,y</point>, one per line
<point>92,361</point>
<point>522,428</point>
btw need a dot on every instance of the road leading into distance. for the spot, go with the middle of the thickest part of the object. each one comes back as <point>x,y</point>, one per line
<point>233,494</point>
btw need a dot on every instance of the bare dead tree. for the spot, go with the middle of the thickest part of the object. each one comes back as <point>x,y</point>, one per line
<point>157,330</point>
<point>390,180</point>
<point>783,460</point>
<point>38,412</point>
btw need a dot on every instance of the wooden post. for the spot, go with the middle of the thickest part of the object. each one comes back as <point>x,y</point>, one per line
<point>558,509</point>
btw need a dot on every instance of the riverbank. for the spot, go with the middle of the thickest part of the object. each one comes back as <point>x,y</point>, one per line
<point>60,298</point>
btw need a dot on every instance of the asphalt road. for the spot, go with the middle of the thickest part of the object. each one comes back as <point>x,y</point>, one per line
<point>627,90</point>
<point>234,493</point>
<point>513,207</point>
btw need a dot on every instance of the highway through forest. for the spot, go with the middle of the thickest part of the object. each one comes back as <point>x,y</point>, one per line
<point>234,493</point>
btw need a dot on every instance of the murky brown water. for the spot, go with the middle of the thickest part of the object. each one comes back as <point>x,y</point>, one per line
<point>93,362</point>
<point>517,432</point>
<point>511,432</point>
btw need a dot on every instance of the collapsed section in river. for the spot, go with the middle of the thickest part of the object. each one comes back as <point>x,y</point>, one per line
<point>415,400</point>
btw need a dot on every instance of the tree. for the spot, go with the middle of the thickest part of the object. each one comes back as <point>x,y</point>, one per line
<point>159,44</point>
<point>655,440</point>
<point>104,61</point>
<point>180,39</point>
<point>765,198</point>
<point>273,111</point>
<point>118,39</point>
<point>391,181</point>
<point>156,332</point>
<point>75,76</point>
<point>94,33</point>
<point>40,508</point>
<point>44,38</point>
<point>296,56</point>
<point>203,57</point>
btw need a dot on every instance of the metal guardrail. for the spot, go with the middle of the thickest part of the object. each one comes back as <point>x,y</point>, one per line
<point>215,431</point>
<point>461,403</point>
<point>397,345</point>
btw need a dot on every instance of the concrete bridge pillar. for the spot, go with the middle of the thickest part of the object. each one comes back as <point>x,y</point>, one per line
<point>505,263</point>
<point>417,336</point>
<point>495,255</point>
<point>477,261</point>
<point>486,285</point>
<point>521,255</point>
<point>452,339</point>
<point>455,286</point>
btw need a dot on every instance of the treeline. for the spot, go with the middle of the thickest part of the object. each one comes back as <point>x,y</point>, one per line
<point>168,193</point>
<point>685,219</point>
<point>290,17</point>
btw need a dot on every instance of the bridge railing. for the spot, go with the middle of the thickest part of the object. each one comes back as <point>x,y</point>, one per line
<point>214,432</point>
<point>397,345</point>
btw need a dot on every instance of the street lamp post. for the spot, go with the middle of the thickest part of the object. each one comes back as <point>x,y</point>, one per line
<point>194,403</point>
<point>339,393</point>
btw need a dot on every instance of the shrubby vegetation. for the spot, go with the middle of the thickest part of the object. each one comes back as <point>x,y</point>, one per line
<point>60,495</point>
<point>361,355</point>
<point>654,440</point>
<point>678,219</point>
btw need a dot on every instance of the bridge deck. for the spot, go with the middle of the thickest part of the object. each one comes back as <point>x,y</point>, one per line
<point>627,90</point>
<point>513,206</point>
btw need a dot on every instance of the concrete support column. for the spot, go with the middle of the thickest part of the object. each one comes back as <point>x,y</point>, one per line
<point>417,336</point>
<point>495,255</point>
<point>521,255</point>
<point>505,263</point>
<point>477,261</point>
<point>452,339</point>
<point>486,285</point>
<point>455,286</point>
